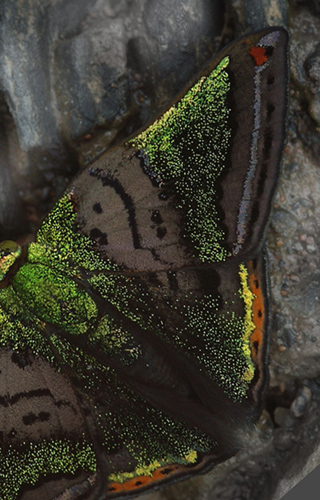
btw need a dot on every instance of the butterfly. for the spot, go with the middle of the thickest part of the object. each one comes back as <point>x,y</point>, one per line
<point>134,331</point>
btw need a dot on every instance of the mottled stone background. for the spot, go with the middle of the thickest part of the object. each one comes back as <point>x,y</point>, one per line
<point>77,76</point>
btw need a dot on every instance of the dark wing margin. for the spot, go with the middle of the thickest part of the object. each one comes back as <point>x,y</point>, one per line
<point>258,122</point>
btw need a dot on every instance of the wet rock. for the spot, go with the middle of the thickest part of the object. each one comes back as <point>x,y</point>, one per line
<point>284,418</point>
<point>78,74</point>
<point>283,440</point>
<point>302,402</point>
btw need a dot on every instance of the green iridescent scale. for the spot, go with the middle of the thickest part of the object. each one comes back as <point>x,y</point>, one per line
<point>172,153</point>
<point>133,336</point>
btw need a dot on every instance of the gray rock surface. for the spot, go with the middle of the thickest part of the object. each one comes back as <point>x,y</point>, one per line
<point>79,75</point>
<point>76,73</point>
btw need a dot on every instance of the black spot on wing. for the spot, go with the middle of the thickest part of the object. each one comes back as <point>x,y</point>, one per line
<point>156,217</point>
<point>161,232</point>
<point>270,109</point>
<point>269,51</point>
<point>21,359</point>
<point>11,434</point>
<point>270,80</point>
<point>99,236</point>
<point>255,345</point>
<point>32,418</point>
<point>97,208</point>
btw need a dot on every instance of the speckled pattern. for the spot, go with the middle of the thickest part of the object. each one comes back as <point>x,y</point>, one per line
<point>171,152</point>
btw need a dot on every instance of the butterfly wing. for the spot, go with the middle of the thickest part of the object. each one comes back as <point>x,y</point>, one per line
<point>134,333</point>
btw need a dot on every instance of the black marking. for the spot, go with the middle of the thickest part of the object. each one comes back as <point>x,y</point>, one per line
<point>270,81</point>
<point>12,434</point>
<point>108,180</point>
<point>161,232</point>
<point>7,401</point>
<point>255,212</point>
<point>260,313</point>
<point>270,109</point>
<point>255,345</point>
<point>154,280</point>
<point>21,359</point>
<point>173,282</point>
<point>257,284</point>
<point>37,393</point>
<point>166,471</point>
<point>138,483</point>
<point>97,208</point>
<point>262,179</point>
<point>154,254</point>
<point>32,418</point>
<point>267,144</point>
<point>269,51</point>
<point>156,217</point>
<point>99,236</point>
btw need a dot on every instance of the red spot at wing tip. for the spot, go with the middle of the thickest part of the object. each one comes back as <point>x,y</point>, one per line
<point>259,55</point>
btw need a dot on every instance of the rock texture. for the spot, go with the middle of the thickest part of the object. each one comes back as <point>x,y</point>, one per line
<point>76,74</point>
